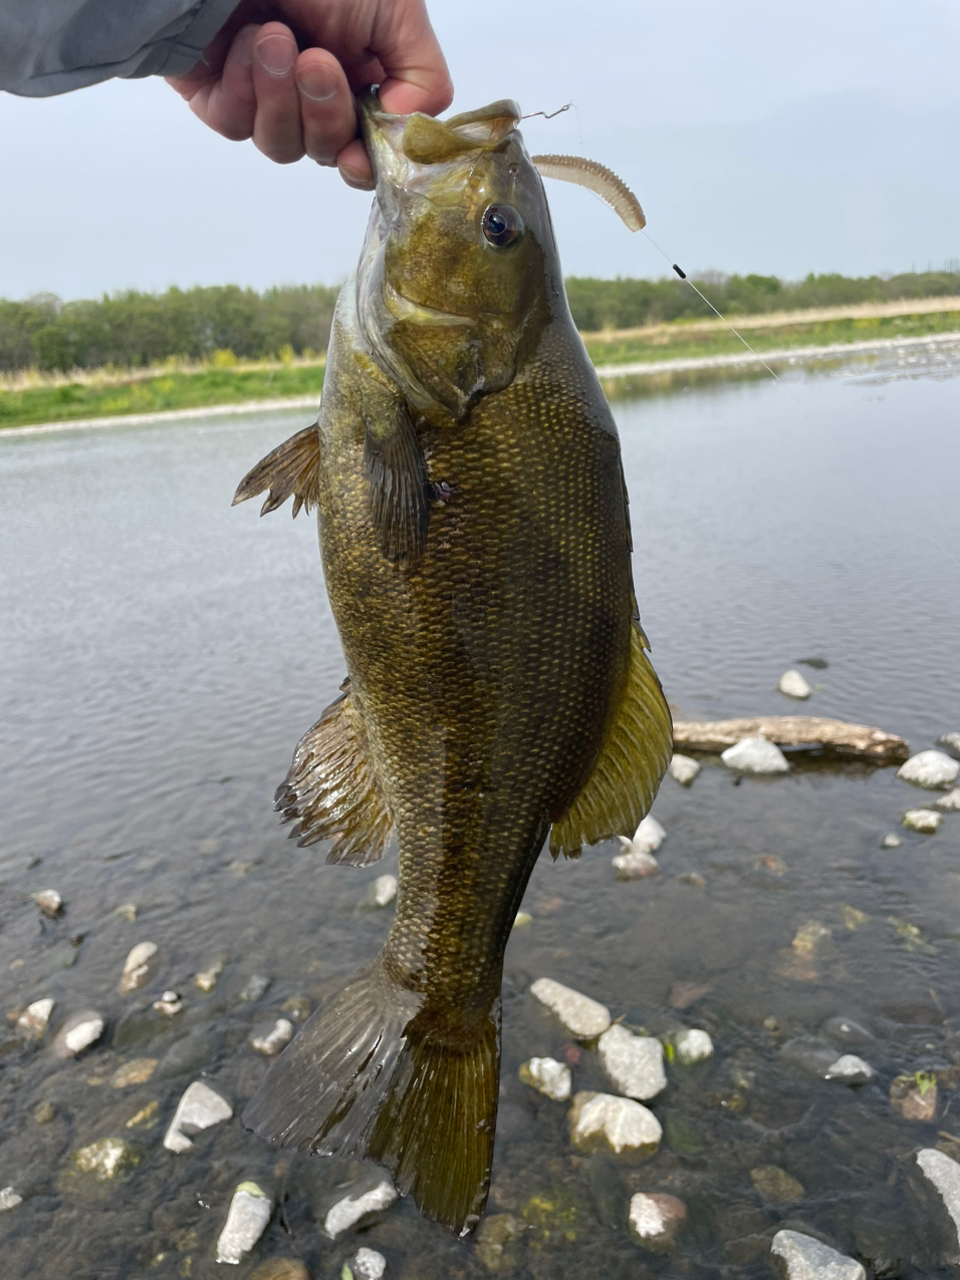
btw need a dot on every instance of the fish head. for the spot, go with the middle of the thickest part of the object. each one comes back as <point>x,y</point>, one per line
<point>459,272</point>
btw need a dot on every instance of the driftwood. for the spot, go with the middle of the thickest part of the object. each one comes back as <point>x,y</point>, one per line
<point>834,737</point>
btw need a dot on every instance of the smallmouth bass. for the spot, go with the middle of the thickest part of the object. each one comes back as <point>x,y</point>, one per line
<point>476,546</point>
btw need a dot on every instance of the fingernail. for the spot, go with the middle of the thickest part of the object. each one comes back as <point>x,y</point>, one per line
<point>317,84</point>
<point>363,181</point>
<point>276,54</point>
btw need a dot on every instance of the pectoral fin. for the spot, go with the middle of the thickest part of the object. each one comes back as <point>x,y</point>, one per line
<point>290,469</point>
<point>627,773</point>
<point>399,485</point>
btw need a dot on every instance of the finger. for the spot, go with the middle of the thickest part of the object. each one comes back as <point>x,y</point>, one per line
<point>327,114</point>
<point>277,130</point>
<point>354,165</point>
<point>417,74</point>
<point>230,105</point>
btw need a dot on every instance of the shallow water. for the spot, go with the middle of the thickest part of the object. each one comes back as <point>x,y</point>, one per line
<point>161,656</point>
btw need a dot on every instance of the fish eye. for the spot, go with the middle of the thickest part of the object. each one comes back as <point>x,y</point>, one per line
<point>501,225</point>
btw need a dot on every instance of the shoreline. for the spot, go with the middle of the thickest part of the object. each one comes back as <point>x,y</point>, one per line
<point>680,364</point>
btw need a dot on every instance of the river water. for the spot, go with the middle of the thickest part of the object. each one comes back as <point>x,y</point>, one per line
<point>162,653</point>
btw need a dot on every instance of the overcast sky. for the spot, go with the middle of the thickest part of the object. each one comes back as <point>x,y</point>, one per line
<point>759,136</point>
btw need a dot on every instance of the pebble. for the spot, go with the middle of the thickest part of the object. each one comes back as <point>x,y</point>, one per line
<point>635,865</point>
<point>692,1046</point>
<point>654,1219</point>
<point>812,938</point>
<point>800,1257</point>
<point>367,1264</point>
<point>281,1269</point>
<point>522,919</point>
<point>647,838</point>
<point>812,1055</point>
<point>775,1184</point>
<point>49,903</point>
<point>9,1199</point>
<point>950,803</point>
<point>247,1219</point>
<point>199,1108</point>
<point>79,1032</point>
<point>298,1007</point>
<point>632,1064</point>
<point>381,893</point>
<point>496,1230</point>
<point>950,742</point>
<point>891,841</point>
<point>279,1035</point>
<point>930,769</point>
<point>845,1032</point>
<point>794,685</point>
<point>44,1112</point>
<point>127,911</point>
<point>170,1003</point>
<point>254,988</point>
<point>348,1211</point>
<point>139,966</point>
<point>684,769</point>
<point>145,1116</point>
<point>601,1119</point>
<point>106,1158</point>
<point>549,1077</point>
<point>913,1100</point>
<point>926,821</point>
<point>206,979</point>
<point>944,1173</point>
<point>138,1071</point>
<point>850,1069</point>
<point>755,755</point>
<point>32,1023</point>
<point>582,1017</point>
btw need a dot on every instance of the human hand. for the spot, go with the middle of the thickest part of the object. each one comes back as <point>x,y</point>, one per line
<point>256,83</point>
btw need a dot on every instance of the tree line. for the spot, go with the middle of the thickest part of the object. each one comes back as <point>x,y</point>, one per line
<point>133,330</point>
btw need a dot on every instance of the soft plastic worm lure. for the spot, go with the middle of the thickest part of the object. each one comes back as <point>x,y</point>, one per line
<point>598,178</point>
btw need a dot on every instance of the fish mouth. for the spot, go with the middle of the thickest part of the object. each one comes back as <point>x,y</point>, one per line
<point>394,141</point>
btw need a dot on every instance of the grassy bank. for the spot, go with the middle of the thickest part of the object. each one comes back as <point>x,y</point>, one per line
<point>31,398</point>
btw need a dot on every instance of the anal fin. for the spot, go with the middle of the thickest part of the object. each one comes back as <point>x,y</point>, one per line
<point>290,469</point>
<point>332,792</point>
<point>624,780</point>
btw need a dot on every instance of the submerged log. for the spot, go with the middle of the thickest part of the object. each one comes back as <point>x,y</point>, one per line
<point>833,737</point>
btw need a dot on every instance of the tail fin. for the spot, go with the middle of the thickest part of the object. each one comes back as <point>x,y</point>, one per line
<point>374,1076</point>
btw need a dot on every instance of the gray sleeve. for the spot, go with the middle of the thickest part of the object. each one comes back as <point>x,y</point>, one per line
<point>52,46</point>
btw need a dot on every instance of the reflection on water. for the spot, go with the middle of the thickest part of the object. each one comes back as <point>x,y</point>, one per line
<point>162,654</point>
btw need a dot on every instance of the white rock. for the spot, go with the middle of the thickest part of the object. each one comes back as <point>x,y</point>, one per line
<point>549,1077</point>
<point>9,1199</point>
<point>632,1064</point>
<point>247,1219</point>
<point>78,1032</point>
<point>926,821</point>
<point>380,893</point>
<point>891,841</point>
<point>206,979</point>
<point>684,769</point>
<point>138,966</point>
<point>647,838</point>
<point>944,1173</point>
<point>169,1004</point>
<point>619,1123</point>
<point>755,755</point>
<point>693,1046</point>
<point>107,1158</point>
<point>794,685</point>
<point>583,1017</point>
<point>345,1213</point>
<point>654,1218</point>
<point>367,1264</point>
<point>950,743</point>
<point>32,1023</point>
<point>931,769</point>
<point>274,1040</point>
<point>799,1257</point>
<point>850,1069</point>
<point>635,865</point>
<point>199,1108</point>
<point>49,902</point>
<point>950,803</point>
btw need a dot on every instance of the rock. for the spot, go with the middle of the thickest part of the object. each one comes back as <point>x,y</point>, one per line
<point>347,1212</point>
<point>45,1112</point>
<point>583,1017</point>
<point>495,1231</point>
<point>635,865</point>
<point>944,1173</point>
<point>199,1108</point>
<point>255,988</point>
<point>206,979</point>
<point>794,685</point>
<point>138,1071</point>
<point>276,1037</point>
<point>548,1077</point>
<point>381,893</point>
<point>522,919</point>
<point>599,1120</point>
<point>930,769</point>
<point>367,1264</point>
<point>247,1219</point>
<point>926,821</point>
<point>775,1184</point>
<point>281,1269</point>
<point>950,742</point>
<point>127,911</point>
<point>79,1032</point>
<point>891,841</point>
<point>139,967</point>
<point>49,903</point>
<point>107,1158</point>
<point>812,1055</point>
<point>145,1116</point>
<point>692,1046</point>
<point>800,1257</point>
<point>850,1069</point>
<point>32,1023</point>
<point>845,1032</point>
<point>812,938</point>
<point>684,769</point>
<point>915,1097</point>
<point>950,803</point>
<point>654,1219</point>
<point>632,1064</point>
<point>755,755</point>
<point>170,1003</point>
<point>297,1008</point>
<point>9,1199</point>
<point>647,838</point>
